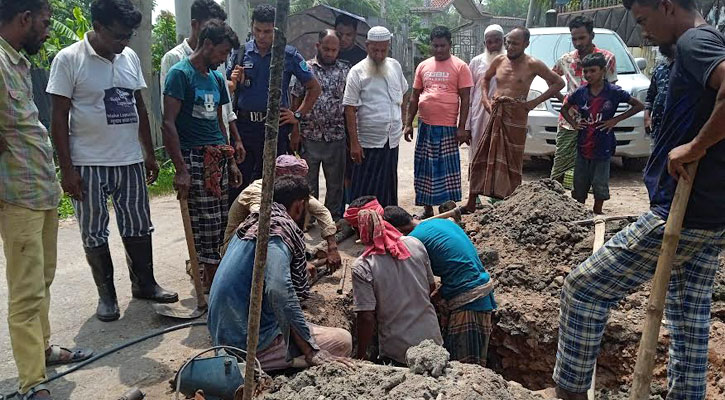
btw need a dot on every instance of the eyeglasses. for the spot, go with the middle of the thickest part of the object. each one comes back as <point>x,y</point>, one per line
<point>120,37</point>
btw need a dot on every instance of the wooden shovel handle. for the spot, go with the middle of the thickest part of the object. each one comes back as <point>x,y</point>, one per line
<point>655,307</point>
<point>194,259</point>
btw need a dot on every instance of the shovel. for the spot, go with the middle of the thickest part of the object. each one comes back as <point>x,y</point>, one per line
<point>178,310</point>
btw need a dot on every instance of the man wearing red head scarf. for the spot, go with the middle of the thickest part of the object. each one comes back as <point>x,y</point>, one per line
<point>392,281</point>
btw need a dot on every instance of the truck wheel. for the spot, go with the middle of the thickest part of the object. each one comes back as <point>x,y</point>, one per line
<point>634,164</point>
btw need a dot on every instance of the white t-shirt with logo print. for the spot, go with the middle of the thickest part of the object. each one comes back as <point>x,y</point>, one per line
<point>104,122</point>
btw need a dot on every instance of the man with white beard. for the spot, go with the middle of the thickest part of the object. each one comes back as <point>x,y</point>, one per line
<point>478,117</point>
<point>374,114</point>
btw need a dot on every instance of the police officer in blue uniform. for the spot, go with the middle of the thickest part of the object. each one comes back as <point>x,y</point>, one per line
<point>248,74</point>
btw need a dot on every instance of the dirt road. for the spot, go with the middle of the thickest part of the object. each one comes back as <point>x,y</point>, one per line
<point>151,364</point>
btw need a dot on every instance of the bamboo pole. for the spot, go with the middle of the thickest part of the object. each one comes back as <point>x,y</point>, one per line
<point>265,208</point>
<point>655,306</point>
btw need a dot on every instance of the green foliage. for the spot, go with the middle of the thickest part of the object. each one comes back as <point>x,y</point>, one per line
<point>508,8</point>
<point>164,37</point>
<point>67,27</point>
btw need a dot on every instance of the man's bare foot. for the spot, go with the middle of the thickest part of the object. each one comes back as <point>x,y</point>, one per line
<point>598,206</point>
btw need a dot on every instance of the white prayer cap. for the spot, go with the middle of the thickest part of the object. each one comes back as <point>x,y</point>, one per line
<point>493,28</point>
<point>379,34</point>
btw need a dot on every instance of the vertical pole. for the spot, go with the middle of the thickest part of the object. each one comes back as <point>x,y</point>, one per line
<point>265,208</point>
<point>239,17</point>
<point>182,11</point>
<point>530,14</point>
<point>141,44</point>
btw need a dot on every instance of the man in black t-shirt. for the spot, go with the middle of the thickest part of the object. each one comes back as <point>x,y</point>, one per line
<point>346,28</point>
<point>691,130</point>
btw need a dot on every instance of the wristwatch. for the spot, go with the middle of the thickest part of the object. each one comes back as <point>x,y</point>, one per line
<point>298,115</point>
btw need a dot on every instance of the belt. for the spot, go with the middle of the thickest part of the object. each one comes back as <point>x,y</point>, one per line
<point>252,116</point>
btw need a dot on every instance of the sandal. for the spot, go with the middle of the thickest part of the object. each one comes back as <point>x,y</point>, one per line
<point>32,394</point>
<point>55,357</point>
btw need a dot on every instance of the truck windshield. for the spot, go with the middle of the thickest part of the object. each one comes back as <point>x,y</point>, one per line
<point>549,47</point>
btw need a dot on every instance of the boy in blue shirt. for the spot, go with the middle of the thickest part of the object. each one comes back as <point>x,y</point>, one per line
<point>597,103</point>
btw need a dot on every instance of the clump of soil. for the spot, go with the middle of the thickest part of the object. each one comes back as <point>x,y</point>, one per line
<point>427,358</point>
<point>368,381</point>
<point>529,243</point>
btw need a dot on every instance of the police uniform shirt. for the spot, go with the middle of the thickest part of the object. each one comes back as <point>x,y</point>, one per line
<point>252,93</point>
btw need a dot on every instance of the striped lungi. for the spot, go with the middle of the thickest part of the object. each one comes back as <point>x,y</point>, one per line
<point>377,175</point>
<point>466,335</point>
<point>497,166</point>
<point>126,186</point>
<point>624,263</point>
<point>208,213</point>
<point>565,155</point>
<point>437,167</point>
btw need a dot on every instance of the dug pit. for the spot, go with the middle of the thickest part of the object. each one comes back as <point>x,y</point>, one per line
<point>529,243</point>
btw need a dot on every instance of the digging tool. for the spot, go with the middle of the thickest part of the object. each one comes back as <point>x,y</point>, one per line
<point>599,231</point>
<point>656,304</point>
<point>605,219</point>
<point>177,310</point>
<point>454,213</point>
<point>344,272</point>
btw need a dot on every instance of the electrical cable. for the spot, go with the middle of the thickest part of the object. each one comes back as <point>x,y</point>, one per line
<point>110,351</point>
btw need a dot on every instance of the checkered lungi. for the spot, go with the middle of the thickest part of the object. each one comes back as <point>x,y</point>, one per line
<point>437,166</point>
<point>466,335</point>
<point>617,269</point>
<point>208,213</point>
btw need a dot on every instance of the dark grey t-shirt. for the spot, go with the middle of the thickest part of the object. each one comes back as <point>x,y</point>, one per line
<point>689,104</point>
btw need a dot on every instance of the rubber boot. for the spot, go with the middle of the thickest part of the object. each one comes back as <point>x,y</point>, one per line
<point>139,255</point>
<point>99,258</point>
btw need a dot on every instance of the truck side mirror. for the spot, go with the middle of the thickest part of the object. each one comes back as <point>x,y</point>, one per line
<point>641,63</point>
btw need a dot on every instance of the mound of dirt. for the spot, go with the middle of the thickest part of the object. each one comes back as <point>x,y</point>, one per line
<point>368,381</point>
<point>529,243</point>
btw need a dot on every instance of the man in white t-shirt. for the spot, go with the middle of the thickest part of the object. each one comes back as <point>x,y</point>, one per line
<point>103,140</point>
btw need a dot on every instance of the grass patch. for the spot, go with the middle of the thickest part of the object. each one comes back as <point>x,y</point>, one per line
<point>164,185</point>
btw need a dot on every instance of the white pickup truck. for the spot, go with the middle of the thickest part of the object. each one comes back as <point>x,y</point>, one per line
<point>548,44</point>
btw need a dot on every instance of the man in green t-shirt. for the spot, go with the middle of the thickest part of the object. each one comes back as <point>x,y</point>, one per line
<point>196,140</point>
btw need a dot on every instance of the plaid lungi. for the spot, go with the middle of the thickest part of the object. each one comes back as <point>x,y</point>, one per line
<point>466,335</point>
<point>497,165</point>
<point>565,155</point>
<point>618,268</point>
<point>437,167</point>
<point>208,213</point>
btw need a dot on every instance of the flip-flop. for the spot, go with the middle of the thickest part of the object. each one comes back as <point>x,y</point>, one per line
<point>77,355</point>
<point>464,211</point>
<point>31,394</point>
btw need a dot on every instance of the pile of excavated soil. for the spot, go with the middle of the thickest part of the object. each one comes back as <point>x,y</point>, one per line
<point>529,244</point>
<point>367,381</point>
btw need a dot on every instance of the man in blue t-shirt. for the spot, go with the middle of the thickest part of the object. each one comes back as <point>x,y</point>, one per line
<point>691,130</point>
<point>248,72</point>
<point>196,140</point>
<point>466,287</point>
<point>596,101</point>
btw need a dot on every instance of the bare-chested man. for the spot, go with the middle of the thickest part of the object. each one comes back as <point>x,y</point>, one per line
<point>496,165</point>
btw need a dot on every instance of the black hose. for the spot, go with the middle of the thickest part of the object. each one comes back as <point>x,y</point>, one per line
<point>110,351</point>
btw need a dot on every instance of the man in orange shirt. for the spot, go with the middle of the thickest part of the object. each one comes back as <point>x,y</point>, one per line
<point>441,92</point>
